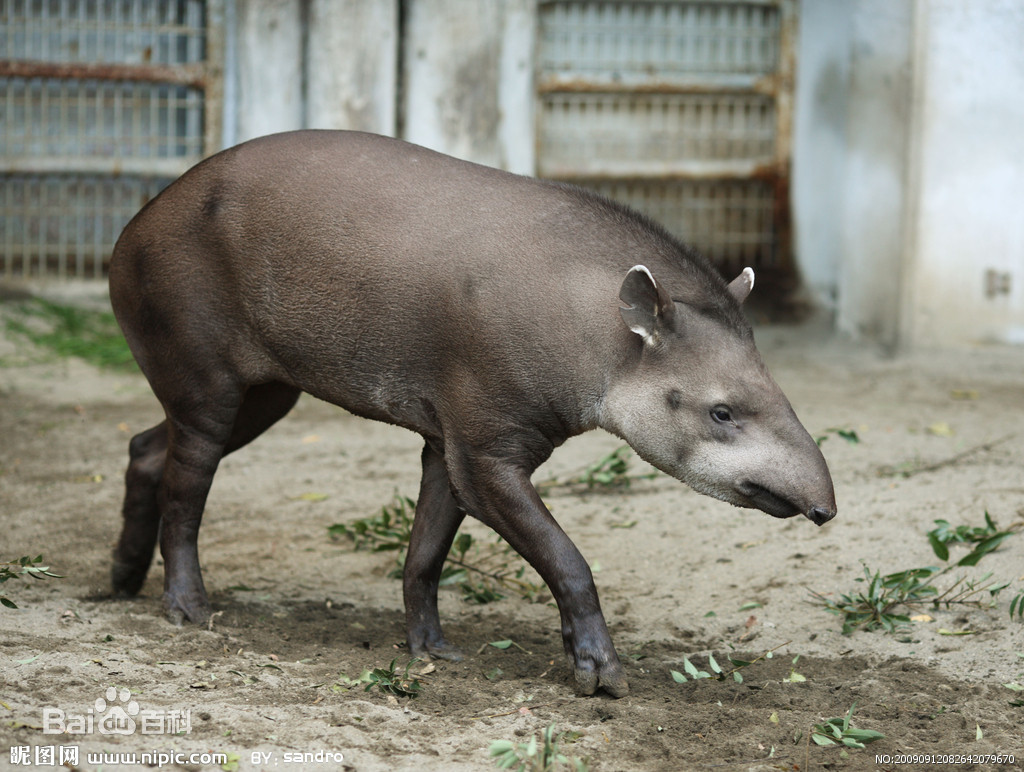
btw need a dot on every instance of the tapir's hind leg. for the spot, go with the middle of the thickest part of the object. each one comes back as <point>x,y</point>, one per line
<point>134,552</point>
<point>437,519</point>
<point>170,490</point>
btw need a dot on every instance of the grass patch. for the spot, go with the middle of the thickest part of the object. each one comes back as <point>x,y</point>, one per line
<point>533,756</point>
<point>68,331</point>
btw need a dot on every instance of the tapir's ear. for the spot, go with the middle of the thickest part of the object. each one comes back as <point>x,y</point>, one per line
<point>650,310</point>
<point>740,287</point>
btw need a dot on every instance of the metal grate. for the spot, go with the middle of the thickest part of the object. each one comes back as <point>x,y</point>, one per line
<point>588,133</point>
<point>678,108</point>
<point>728,219</point>
<point>79,119</point>
<point>657,40</point>
<point>102,104</point>
<point>113,31</point>
<point>65,225</point>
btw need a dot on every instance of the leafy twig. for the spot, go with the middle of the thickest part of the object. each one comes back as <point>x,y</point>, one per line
<point>498,565</point>
<point>609,473</point>
<point>719,673</point>
<point>23,566</point>
<point>875,607</point>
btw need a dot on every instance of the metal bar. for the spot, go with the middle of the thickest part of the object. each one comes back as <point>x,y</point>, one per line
<point>186,74</point>
<point>663,171</point>
<point>782,214</point>
<point>213,96</point>
<point>724,84</point>
<point>143,167</point>
<point>767,3</point>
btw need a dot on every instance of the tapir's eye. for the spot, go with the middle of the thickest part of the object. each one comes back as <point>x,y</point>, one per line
<point>721,414</point>
<point>674,399</point>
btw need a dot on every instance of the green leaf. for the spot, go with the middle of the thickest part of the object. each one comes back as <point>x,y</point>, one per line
<point>715,668</point>
<point>821,739</point>
<point>678,677</point>
<point>1017,606</point>
<point>983,548</point>
<point>501,644</point>
<point>941,550</point>
<point>864,735</point>
<point>849,715</point>
<point>694,673</point>
<point>463,541</point>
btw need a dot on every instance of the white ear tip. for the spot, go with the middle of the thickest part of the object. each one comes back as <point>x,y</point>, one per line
<point>644,269</point>
<point>748,275</point>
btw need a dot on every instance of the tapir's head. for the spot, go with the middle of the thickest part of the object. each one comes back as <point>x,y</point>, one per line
<point>695,400</point>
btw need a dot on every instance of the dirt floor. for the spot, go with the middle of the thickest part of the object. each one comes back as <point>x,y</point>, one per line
<point>300,616</point>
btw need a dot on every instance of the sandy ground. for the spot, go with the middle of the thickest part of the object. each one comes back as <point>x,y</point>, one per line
<point>299,614</point>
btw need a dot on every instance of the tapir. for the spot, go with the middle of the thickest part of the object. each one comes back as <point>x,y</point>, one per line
<point>494,314</point>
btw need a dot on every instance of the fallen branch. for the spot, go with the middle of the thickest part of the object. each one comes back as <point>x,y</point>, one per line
<point>890,471</point>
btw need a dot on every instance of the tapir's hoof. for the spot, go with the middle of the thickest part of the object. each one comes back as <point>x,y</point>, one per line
<point>180,610</point>
<point>442,650</point>
<point>127,579</point>
<point>608,676</point>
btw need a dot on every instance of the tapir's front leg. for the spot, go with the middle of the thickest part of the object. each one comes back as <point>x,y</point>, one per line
<point>499,492</point>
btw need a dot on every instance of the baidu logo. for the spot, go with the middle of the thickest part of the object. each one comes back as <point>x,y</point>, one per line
<point>116,712</point>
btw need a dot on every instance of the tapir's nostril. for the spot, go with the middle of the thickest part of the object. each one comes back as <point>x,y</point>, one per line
<point>820,515</point>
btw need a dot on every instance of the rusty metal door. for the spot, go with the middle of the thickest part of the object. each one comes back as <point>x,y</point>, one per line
<point>679,108</point>
<point>102,104</point>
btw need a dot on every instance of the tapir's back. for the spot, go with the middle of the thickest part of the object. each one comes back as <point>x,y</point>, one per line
<point>343,262</point>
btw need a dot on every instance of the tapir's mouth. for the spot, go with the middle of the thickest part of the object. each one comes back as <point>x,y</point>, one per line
<point>778,506</point>
<point>767,501</point>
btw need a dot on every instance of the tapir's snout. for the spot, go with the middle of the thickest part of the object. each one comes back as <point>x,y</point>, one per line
<point>820,515</point>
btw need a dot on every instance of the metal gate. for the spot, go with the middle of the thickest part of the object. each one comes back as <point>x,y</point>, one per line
<point>681,109</point>
<point>102,104</point>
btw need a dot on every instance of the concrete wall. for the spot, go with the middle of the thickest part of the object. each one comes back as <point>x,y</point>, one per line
<point>352,65</point>
<point>875,204</point>
<point>819,142</point>
<point>850,159</point>
<point>969,185</point>
<point>909,167</point>
<point>270,73</point>
<point>468,80</point>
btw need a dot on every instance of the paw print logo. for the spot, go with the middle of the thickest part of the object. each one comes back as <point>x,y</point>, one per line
<point>114,714</point>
